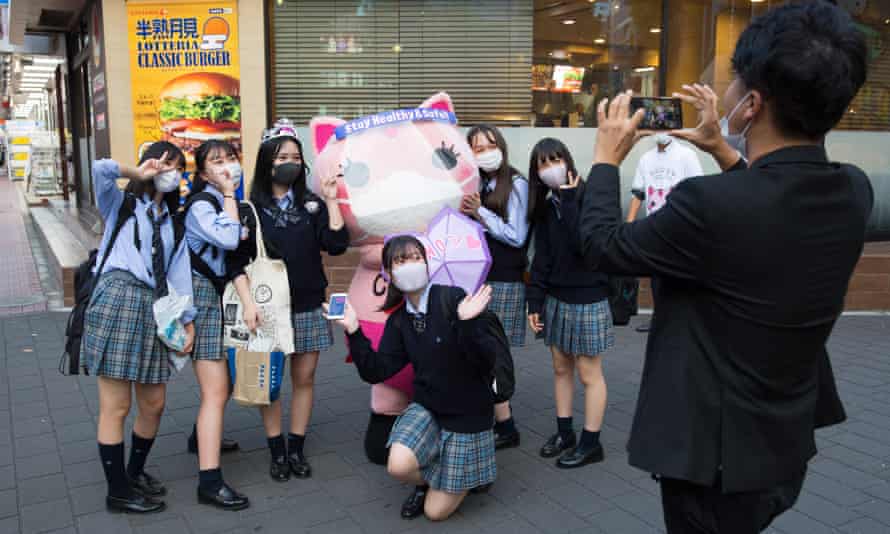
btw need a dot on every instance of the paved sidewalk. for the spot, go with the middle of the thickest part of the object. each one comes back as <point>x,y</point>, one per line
<point>20,289</point>
<point>51,479</point>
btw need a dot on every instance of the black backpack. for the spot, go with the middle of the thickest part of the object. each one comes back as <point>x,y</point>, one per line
<point>85,283</point>
<point>623,291</point>
<point>503,374</point>
<point>198,264</point>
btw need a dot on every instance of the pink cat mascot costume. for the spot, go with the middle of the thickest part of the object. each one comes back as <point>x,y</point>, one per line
<point>397,170</point>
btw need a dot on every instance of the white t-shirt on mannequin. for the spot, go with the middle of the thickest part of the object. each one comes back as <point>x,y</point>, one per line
<point>659,172</point>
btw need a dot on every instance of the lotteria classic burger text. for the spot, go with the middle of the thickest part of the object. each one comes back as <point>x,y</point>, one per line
<point>199,106</point>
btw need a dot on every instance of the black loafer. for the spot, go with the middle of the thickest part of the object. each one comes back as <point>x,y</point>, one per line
<point>147,485</point>
<point>227,445</point>
<point>226,498</point>
<point>299,466</point>
<point>134,504</point>
<point>279,469</point>
<point>506,441</point>
<point>557,444</point>
<point>578,457</point>
<point>413,507</point>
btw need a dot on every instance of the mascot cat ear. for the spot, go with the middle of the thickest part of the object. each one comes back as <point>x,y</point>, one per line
<point>321,130</point>
<point>439,101</point>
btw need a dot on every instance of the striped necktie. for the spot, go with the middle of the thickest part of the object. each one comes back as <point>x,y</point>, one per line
<point>157,254</point>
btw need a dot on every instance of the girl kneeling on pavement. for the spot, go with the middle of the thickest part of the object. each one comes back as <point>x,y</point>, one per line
<point>210,233</point>
<point>120,345</point>
<point>443,442</point>
<point>568,302</point>
<point>296,226</point>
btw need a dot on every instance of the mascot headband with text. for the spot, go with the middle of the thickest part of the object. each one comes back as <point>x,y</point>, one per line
<point>388,118</point>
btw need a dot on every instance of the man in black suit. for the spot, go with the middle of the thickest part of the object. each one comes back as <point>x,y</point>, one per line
<point>754,264</point>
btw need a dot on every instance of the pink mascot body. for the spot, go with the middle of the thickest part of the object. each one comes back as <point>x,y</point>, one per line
<point>397,170</point>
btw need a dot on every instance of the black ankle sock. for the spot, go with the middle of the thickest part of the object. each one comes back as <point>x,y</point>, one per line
<point>276,446</point>
<point>589,439</point>
<point>295,443</point>
<point>505,428</point>
<point>564,425</point>
<point>139,450</point>
<point>210,479</point>
<point>112,457</point>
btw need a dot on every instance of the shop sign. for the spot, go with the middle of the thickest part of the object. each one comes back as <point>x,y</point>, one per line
<point>185,74</point>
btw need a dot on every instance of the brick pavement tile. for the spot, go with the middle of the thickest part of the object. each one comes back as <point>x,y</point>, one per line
<point>27,396</point>
<point>876,509</point>
<point>175,525</point>
<point>381,515</point>
<point>26,382</point>
<point>794,522</point>
<point>74,399</point>
<point>823,510</point>
<point>46,516</point>
<point>42,489</point>
<point>38,466</point>
<point>350,490</point>
<point>79,451</point>
<point>88,499</point>
<point>579,499</point>
<point>513,526</point>
<point>642,505</point>
<point>84,473</point>
<point>35,445</point>
<point>864,525</point>
<point>76,432</point>
<point>103,522</point>
<point>8,503</point>
<point>340,526</point>
<point>546,514</point>
<point>834,490</point>
<point>30,410</point>
<point>5,455</point>
<point>7,477</point>
<point>618,521</point>
<point>881,491</point>
<point>857,469</point>
<point>10,525</point>
<point>601,482</point>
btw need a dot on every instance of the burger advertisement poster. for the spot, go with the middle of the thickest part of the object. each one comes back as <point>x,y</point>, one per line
<point>185,74</point>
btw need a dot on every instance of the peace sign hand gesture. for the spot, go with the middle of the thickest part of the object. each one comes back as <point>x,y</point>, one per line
<point>574,180</point>
<point>152,167</point>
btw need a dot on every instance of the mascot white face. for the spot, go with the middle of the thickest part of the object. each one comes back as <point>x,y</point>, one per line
<point>397,169</point>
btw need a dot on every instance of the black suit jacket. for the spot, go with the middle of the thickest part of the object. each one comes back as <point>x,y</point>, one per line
<point>753,265</point>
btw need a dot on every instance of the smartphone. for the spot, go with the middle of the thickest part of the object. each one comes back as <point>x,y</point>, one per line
<point>662,113</point>
<point>337,306</point>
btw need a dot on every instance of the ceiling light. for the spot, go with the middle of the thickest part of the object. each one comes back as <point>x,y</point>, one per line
<point>38,68</point>
<point>644,69</point>
<point>886,21</point>
<point>48,60</point>
<point>569,22</point>
<point>654,30</point>
<point>757,1</point>
<point>599,40</point>
<point>397,48</point>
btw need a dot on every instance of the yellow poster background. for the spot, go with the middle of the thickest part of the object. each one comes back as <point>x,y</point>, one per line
<point>167,41</point>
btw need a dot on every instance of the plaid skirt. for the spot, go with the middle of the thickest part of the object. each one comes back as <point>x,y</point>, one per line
<point>449,461</point>
<point>312,332</point>
<point>508,303</point>
<point>578,329</point>
<point>208,320</point>
<point>119,332</point>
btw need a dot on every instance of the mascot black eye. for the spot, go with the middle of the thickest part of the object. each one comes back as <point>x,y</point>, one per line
<point>445,157</point>
<point>356,173</point>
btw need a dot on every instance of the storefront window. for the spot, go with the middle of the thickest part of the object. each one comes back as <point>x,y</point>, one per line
<point>584,51</point>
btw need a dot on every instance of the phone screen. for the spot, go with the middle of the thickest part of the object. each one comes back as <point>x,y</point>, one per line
<point>337,306</point>
<point>661,113</point>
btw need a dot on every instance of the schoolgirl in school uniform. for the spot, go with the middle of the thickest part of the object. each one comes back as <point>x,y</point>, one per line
<point>120,346</point>
<point>443,442</point>
<point>210,235</point>
<point>502,207</point>
<point>569,302</point>
<point>297,226</point>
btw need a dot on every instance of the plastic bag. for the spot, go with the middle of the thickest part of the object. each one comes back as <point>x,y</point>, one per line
<point>167,312</point>
<point>261,343</point>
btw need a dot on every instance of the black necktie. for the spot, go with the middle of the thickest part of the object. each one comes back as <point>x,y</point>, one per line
<point>419,322</point>
<point>157,254</point>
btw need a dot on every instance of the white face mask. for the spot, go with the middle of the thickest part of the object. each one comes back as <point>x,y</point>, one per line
<point>167,181</point>
<point>411,277</point>
<point>234,169</point>
<point>554,176</point>
<point>662,139</point>
<point>490,160</point>
<point>738,140</point>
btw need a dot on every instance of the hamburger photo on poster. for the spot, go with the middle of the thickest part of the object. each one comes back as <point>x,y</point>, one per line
<point>198,106</point>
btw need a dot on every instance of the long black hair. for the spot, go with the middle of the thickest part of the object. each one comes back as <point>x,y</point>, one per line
<point>497,200</point>
<point>205,151</point>
<point>395,249</point>
<point>138,188</point>
<point>261,190</point>
<point>547,149</point>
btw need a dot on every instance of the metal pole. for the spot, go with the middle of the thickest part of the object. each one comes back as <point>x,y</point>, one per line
<point>61,125</point>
